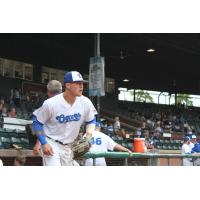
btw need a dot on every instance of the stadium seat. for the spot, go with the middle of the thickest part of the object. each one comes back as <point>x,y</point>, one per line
<point>25,143</point>
<point>5,142</point>
<point>1,145</point>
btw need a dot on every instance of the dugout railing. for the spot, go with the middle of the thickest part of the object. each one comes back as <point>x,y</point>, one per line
<point>144,159</point>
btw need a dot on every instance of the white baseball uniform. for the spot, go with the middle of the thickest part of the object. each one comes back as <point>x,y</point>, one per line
<point>100,143</point>
<point>62,122</point>
<point>191,145</point>
<point>186,150</point>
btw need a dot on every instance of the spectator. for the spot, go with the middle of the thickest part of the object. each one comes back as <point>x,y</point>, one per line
<point>138,132</point>
<point>2,101</point>
<point>17,97</point>
<point>189,132</point>
<point>4,112</point>
<point>148,141</point>
<point>122,133</point>
<point>158,127</point>
<point>1,108</point>
<point>12,112</point>
<point>116,125</point>
<point>28,104</point>
<point>177,127</point>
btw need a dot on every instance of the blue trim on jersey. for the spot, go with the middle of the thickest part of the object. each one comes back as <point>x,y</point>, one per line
<point>37,126</point>
<point>91,122</point>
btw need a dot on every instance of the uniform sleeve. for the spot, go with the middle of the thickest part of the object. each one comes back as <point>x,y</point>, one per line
<point>43,114</point>
<point>110,142</point>
<point>90,112</point>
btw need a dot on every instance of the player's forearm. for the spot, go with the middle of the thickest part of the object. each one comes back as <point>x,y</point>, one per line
<point>37,126</point>
<point>90,128</point>
<point>37,143</point>
<point>121,148</point>
<point>38,131</point>
<point>41,137</point>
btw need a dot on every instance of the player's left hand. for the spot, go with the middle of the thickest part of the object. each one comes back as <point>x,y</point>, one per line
<point>88,138</point>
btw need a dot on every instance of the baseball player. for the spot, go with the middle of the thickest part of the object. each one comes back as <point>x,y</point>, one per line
<point>186,150</point>
<point>193,141</point>
<point>195,149</point>
<point>54,87</point>
<point>102,143</point>
<point>58,120</point>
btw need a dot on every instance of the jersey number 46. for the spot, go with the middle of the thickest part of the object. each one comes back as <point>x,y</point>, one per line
<point>96,141</point>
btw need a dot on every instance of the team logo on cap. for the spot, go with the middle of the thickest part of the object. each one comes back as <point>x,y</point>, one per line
<point>79,75</point>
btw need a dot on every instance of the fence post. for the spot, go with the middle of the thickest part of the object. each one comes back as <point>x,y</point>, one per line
<point>168,161</point>
<point>94,161</point>
<point>126,161</point>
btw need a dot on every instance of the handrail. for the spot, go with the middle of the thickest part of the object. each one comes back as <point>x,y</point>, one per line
<point>138,155</point>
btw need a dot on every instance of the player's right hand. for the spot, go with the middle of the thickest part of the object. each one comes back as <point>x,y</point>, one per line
<point>48,150</point>
<point>36,148</point>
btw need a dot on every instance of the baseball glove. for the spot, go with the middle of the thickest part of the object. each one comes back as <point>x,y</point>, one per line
<point>80,147</point>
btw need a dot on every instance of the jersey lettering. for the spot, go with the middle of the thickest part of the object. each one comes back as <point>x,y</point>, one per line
<point>68,118</point>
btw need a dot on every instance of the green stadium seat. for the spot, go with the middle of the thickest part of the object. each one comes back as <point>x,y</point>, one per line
<point>6,142</point>
<point>25,143</point>
<point>1,145</point>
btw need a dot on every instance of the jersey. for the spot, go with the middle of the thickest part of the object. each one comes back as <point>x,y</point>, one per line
<point>62,121</point>
<point>100,143</point>
<point>191,145</point>
<point>186,150</point>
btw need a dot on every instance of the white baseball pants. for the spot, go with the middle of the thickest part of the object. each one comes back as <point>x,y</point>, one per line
<point>63,155</point>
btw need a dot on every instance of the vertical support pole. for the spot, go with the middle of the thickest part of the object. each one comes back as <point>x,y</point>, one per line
<point>94,161</point>
<point>98,54</point>
<point>126,161</point>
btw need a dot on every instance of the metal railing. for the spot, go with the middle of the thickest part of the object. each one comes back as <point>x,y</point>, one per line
<point>148,159</point>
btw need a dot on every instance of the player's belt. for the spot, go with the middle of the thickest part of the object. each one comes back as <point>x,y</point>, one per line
<point>56,140</point>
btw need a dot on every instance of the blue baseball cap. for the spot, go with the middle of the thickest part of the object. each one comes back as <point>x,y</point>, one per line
<point>73,76</point>
<point>186,138</point>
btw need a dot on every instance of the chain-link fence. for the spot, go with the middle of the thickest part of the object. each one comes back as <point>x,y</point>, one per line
<point>145,159</point>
